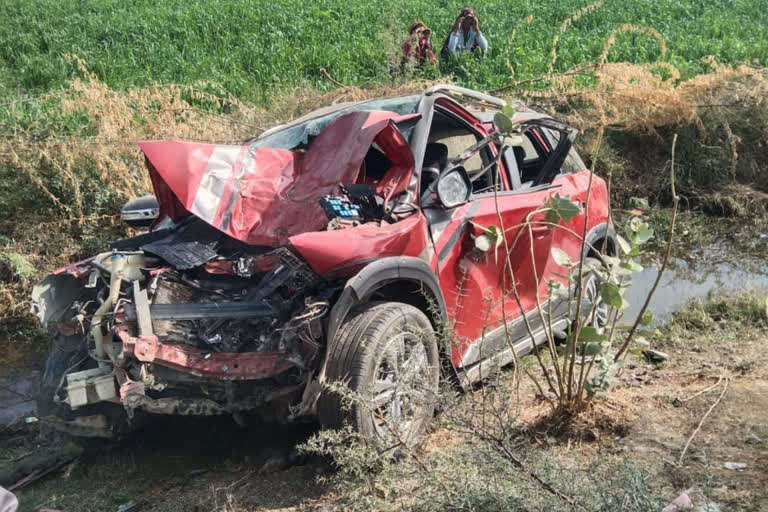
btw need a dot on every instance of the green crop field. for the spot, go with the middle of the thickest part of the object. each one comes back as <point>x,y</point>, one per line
<point>253,47</point>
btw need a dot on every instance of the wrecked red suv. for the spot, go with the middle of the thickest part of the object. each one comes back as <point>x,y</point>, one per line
<point>332,249</point>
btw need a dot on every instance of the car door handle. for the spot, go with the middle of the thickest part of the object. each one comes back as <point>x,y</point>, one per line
<point>540,231</point>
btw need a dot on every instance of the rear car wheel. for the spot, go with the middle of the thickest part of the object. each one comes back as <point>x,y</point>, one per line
<point>599,314</point>
<point>385,357</point>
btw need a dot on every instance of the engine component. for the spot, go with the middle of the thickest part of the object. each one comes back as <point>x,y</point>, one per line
<point>181,255</point>
<point>340,207</point>
<point>226,312</point>
<point>121,266</point>
<point>371,206</point>
<point>250,309</point>
<point>90,386</point>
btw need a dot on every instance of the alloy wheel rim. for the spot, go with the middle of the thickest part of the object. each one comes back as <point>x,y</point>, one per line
<point>599,316</point>
<point>399,390</point>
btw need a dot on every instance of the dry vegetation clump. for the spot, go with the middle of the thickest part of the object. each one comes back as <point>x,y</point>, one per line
<point>611,417</point>
<point>632,109</point>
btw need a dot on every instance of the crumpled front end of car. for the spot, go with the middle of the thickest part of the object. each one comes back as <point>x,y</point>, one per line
<point>175,327</point>
<point>221,307</point>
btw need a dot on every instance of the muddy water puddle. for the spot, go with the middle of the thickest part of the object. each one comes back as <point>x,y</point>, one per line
<point>17,395</point>
<point>712,269</point>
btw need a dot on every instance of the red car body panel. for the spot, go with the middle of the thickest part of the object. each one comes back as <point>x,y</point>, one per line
<point>473,286</point>
<point>344,251</point>
<point>262,196</point>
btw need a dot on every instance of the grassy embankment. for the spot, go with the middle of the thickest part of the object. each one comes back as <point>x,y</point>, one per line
<point>80,82</point>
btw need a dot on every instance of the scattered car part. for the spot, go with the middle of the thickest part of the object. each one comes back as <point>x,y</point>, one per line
<point>141,212</point>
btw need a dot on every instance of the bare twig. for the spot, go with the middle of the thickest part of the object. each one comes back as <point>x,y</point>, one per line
<point>698,427</point>
<point>331,79</point>
<point>507,453</point>
<point>580,296</point>
<point>518,301</point>
<point>699,393</point>
<point>667,254</point>
<point>580,71</point>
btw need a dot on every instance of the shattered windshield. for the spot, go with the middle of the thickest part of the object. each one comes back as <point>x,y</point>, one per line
<point>299,134</point>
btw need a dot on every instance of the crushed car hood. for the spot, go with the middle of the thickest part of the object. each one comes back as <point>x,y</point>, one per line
<point>263,196</point>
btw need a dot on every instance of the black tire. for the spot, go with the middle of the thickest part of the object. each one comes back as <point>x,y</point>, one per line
<point>386,355</point>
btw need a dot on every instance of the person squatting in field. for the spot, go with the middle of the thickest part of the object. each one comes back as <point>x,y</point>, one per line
<point>465,36</point>
<point>418,46</point>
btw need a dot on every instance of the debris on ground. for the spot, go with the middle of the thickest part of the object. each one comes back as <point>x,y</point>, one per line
<point>692,500</point>
<point>655,356</point>
<point>735,466</point>
<point>753,439</point>
<point>130,506</point>
<point>36,464</point>
<point>282,460</point>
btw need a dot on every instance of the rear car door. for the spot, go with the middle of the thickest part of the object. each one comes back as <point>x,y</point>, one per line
<point>539,159</point>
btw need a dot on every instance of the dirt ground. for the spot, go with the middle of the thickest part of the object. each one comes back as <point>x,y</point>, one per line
<point>212,464</point>
<point>660,407</point>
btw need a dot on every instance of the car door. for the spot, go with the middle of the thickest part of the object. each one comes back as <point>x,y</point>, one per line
<point>547,145</point>
<point>494,294</point>
<point>473,281</point>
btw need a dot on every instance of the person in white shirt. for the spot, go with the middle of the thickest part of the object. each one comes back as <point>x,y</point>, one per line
<point>465,35</point>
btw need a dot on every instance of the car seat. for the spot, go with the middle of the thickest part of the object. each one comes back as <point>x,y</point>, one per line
<point>520,159</point>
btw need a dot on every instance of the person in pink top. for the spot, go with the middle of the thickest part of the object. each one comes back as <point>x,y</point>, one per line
<point>418,46</point>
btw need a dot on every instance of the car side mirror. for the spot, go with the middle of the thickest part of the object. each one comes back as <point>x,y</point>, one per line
<point>454,187</point>
<point>140,212</point>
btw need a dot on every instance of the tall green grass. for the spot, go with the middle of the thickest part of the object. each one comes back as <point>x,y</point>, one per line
<point>253,47</point>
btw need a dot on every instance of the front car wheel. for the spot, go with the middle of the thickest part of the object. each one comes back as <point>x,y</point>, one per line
<point>383,374</point>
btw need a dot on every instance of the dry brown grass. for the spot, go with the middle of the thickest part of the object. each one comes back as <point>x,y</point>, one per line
<point>631,112</point>
<point>635,97</point>
<point>118,119</point>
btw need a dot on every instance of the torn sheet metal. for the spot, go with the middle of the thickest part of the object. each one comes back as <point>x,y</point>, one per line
<point>262,196</point>
<point>343,251</point>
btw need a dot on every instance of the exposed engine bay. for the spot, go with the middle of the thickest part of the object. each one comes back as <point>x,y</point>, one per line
<point>168,313</point>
